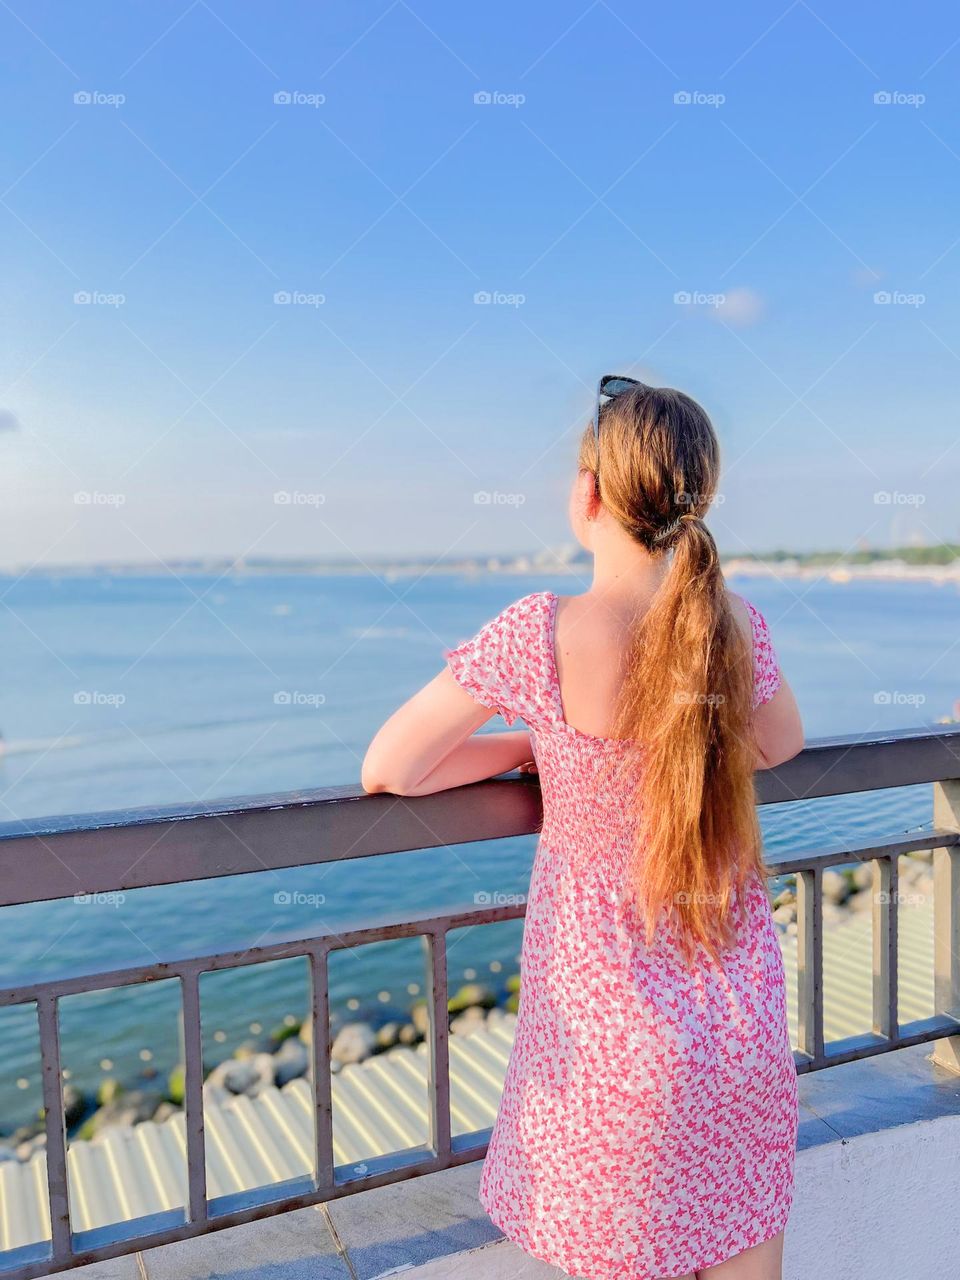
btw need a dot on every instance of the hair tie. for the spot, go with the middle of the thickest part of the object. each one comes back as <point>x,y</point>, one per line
<point>666,533</point>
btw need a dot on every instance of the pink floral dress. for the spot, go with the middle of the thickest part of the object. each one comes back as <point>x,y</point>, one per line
<point>648,1122</point>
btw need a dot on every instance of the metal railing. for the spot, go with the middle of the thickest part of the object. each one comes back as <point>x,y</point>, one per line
<point>110,852</point>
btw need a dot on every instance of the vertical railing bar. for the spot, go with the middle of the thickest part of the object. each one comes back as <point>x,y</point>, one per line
<point>809,888</point>
<point>56,1131</point>
<point>438,1073</point>
<point>946,920</point>
<point>884,960</point>
<point>193,1096</point>
<point>322,1084</point>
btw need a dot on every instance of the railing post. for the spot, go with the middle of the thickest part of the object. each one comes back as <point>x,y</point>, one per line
<point>946,921</point>
<point>886,894</point>
<point>809,890</point>
<point>438,1062</point>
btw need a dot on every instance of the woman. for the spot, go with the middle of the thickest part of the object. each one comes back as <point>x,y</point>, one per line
<point>647,1127</point>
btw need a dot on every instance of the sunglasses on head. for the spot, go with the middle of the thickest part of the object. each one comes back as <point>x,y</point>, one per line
<point>609,387</point>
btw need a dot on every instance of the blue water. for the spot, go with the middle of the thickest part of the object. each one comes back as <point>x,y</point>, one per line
<point>126,691</point>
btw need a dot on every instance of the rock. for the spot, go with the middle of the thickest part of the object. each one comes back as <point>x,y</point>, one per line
<point>863,876</point>
<point>409,1034</point>
<point>836,887</point>
<point>109,1090</point>
<point>471,993</point>
<point>175,1085</point>
<point>862,901</point>
<point>785,898</point>
<point>25,1150</point>
<point>244,1075</point>
<point>285,1031</point>
<point>164,1112</point>
<point>785,915</point>
<point>388,1035</point>
<point>354,1042</point>
<point>74,1105</point>
<point>421,1018</point>
<point>126,1109</point>
<point>467,1022</point>
<point>290,1062</point>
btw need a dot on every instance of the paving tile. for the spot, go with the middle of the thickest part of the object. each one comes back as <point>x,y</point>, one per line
<point>291,1246</point>
<point>503,1261</point>
<point>883,1091</point>
<point>113,1269</point>
<point>412,1222</point>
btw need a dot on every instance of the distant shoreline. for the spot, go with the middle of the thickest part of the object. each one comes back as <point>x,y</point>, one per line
<point>809,568</point>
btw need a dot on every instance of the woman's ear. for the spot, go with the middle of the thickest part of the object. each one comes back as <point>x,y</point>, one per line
<point>587,495</point>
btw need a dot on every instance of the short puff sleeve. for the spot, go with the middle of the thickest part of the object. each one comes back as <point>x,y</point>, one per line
<point>498,667</point>
<point>766,669</point>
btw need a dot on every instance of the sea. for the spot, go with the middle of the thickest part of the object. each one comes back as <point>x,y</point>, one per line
<point>120,691</point>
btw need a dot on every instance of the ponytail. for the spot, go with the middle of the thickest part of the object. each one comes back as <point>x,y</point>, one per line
<point>686,702</point>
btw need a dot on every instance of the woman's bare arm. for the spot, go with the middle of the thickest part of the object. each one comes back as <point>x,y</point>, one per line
<point>430,744</point>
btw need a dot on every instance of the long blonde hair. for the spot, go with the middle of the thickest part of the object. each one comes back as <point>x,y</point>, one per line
<point>686,699</point>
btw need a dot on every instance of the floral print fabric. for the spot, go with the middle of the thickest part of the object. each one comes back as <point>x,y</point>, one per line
<point>648,1121</point>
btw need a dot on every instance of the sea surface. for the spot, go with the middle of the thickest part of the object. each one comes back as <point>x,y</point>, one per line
<point>122,691</point>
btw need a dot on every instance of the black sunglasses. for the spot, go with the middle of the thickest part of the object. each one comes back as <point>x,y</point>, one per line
<point>609,387</point>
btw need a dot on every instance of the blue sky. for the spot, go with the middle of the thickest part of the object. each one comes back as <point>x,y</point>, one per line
<point>182,198</point>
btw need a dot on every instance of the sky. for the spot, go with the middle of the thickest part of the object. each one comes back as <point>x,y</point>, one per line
<point>339,280</point>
